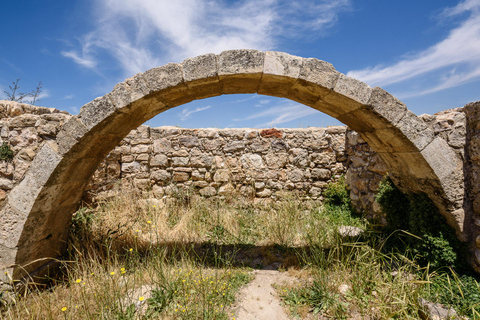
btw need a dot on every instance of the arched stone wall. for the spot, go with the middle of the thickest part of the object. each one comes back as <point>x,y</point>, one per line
<point>37,213</point>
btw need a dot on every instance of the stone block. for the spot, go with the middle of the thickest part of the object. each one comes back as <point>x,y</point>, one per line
<point>321,174</point>
<point>129,91</point>
<point>442,159</point>
<point>386,105</point>
<point>315,80</point>
<point>160,175</point>
<point>222,175</point>
<point>180,176</point>
<point>348,94</point>
<point>240,71</point>
<point>96,111</point>
<point>415,130</point>
<point>70,133</point>
<point>280,72</point>
<point>201,76</point>
<point>159,160</point>
<point>167,84</point>
<point>208,191</point>
<point>251,161</point>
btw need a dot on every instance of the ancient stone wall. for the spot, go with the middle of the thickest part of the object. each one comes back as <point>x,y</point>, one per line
<point>251,162</point>
<point>25,128</point>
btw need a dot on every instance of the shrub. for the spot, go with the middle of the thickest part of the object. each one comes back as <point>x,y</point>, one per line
<point>435,242</point>
<point>6,154</point>
<point>337,194</point>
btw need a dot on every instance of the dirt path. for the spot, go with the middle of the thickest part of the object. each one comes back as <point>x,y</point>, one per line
<point>258,300</point>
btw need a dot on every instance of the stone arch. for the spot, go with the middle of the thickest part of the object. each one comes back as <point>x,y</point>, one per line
<point>38,210</point>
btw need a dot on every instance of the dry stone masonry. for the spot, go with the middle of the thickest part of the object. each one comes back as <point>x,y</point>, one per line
<point>418,153</point>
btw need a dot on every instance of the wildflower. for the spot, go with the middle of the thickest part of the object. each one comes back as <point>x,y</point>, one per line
<point>131,249</point>
<point>64,309</point>
<point>78,280</point>
<point>112,273</point>
<point>141,298</point>
<point>149,221</point>
<point>122,270</point>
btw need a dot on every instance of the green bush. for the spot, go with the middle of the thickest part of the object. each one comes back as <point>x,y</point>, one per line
<point>6,154</point>
<point>336,193</point>
<point>435,242</point>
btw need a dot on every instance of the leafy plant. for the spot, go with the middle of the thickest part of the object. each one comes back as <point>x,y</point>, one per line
<point>337,194</point>
<point>434,240</point>
<point>6,153</point>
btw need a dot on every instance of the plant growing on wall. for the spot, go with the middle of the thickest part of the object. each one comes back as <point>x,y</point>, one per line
<point>6,154</point>
<point>14,94</point>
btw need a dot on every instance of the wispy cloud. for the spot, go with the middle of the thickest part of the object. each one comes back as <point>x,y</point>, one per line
<point>457,57</point>
<point>187,113</point>
<point>279,114</point>
<point>85,56</point>
<point>68,97</point>
<point>141,34</point>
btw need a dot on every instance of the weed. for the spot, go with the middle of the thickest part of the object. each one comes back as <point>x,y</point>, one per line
<point>6,153</point>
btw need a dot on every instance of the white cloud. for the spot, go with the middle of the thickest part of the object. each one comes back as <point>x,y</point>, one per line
<point>141,34</point>
<point>186,112</point>
<point>68,97</point>
<point>280,114</point>
<point>460,50</point>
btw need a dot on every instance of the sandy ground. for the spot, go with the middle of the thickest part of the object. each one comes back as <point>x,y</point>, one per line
<point>258,299</point>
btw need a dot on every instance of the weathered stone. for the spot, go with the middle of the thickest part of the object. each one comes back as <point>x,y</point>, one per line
<point>349,231</point>
<point>208,191</point>
<point>189,142</point>
<point>295,175</point>
<point>159,160</point>
<point>321,174</point>
<point>160,175</point>
<point>264,193</point>
<point>227,189</point>
<point>180,161</point>
<point>6,184</point>
<point>180,176</point>
<point>276,160</point>
<point>240,70</point>
<point>435,311</point>
<point>251,161</point>
<point>130,167</point>
<point>234,146</point>
<point>222,176</point>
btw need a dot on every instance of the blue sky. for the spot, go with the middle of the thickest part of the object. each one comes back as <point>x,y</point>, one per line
<point>427,53</point>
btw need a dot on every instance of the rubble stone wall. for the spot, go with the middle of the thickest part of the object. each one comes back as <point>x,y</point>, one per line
<point>251,162</point>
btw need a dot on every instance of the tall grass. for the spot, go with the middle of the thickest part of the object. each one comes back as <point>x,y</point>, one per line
<point>134,256</point>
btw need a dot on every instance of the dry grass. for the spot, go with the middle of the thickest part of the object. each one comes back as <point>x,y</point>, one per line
<point>196,254</point>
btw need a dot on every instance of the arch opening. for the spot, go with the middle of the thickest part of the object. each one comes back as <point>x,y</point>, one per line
<point>43,202</point>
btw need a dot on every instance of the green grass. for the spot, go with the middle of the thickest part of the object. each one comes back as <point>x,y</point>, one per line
<point>194,254</point>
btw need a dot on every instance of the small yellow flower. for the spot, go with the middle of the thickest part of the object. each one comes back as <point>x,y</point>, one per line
<point>149,221</point>
<point>78,280</point>
<point>141,298</point>
<point>154,206</point>
<point>112,273</point>
<point>64,309</point>
<point>131,249</point>
<point>122,270</point>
